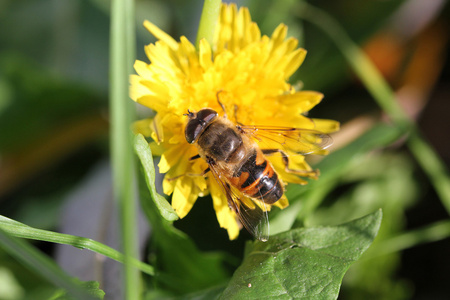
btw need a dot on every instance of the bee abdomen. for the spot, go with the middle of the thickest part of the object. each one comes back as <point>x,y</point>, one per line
<point>257,179</point>
<point>269,189</point>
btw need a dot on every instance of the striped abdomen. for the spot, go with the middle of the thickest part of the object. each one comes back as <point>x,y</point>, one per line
<point>257,179</point>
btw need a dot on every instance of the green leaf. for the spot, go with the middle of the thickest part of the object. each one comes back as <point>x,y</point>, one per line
<point>20,230</point>
<point>183,268</point>
<point>302,263</point>
<point>91,287</point>
<point>145,155</point>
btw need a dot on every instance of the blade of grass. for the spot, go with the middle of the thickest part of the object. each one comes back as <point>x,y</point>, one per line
<point>430,233</point>
<point>20,230</point>
<point>383,94</point>
<point>122,54</point>
<point>208,21</point>
<point>42,265</point>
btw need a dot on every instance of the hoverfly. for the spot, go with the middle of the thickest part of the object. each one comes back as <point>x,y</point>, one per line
<point>240,166</point>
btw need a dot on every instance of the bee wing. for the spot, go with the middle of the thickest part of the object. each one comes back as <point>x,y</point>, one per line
<point>254,218</point>
<point>298,140</point>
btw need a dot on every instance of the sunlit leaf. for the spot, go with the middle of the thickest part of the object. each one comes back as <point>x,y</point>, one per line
<point>304,263</point>
<point>145,155</point>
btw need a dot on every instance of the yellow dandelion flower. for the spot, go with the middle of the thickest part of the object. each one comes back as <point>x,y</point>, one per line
<point>249,73</point>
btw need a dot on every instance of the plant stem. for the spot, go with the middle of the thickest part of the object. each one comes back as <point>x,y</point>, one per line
<point>122,54</point>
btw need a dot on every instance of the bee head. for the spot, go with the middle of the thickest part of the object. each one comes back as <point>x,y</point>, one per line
<point>197,123</point>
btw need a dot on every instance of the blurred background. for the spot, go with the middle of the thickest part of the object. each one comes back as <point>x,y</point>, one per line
<point>54,144</point>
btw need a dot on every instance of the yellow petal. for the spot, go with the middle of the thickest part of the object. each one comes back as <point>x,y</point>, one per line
<point>296,59</point>
<point>301,101</point>
<point>143,127</point>
<point>157,129</point>
<point>278,35</point>
<point>326,126</point>
<point>168,184</point>
<point>225,216</point>
<point>254,33</point>
<point>244,24</point>
<point>137,89</point>
<point>152,101</point>
<point>291,44</point>
<point>160,35</point>
<point>188,56</point>
<point>157,150</point>
<point>162,59</point>
<point>205,54</point>
<point>183,198</point>
<point>157,88</point>
<point>143,69</point>
<point>171,157</point>
<point>282,203</point>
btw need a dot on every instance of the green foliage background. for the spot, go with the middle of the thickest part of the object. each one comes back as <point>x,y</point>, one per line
<point>55,129</point>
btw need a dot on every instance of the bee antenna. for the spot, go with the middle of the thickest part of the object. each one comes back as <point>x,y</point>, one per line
<point>189,113</point>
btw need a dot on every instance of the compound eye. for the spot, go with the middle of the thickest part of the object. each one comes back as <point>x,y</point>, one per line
<point>193,129</point>
<point>206,115</point>
<point>196,125</point>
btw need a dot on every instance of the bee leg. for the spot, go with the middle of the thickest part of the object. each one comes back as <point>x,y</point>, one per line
<point>190,174</point>
<point>221,104</point>
<point>235,115</point>
<point>285,158</point>
<point>194,157</point>
<point>201,174</point>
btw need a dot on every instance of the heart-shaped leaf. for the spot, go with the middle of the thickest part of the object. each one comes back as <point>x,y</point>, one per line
<point>302,263</point>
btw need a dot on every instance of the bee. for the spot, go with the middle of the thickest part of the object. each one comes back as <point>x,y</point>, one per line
<point>240,166</point>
